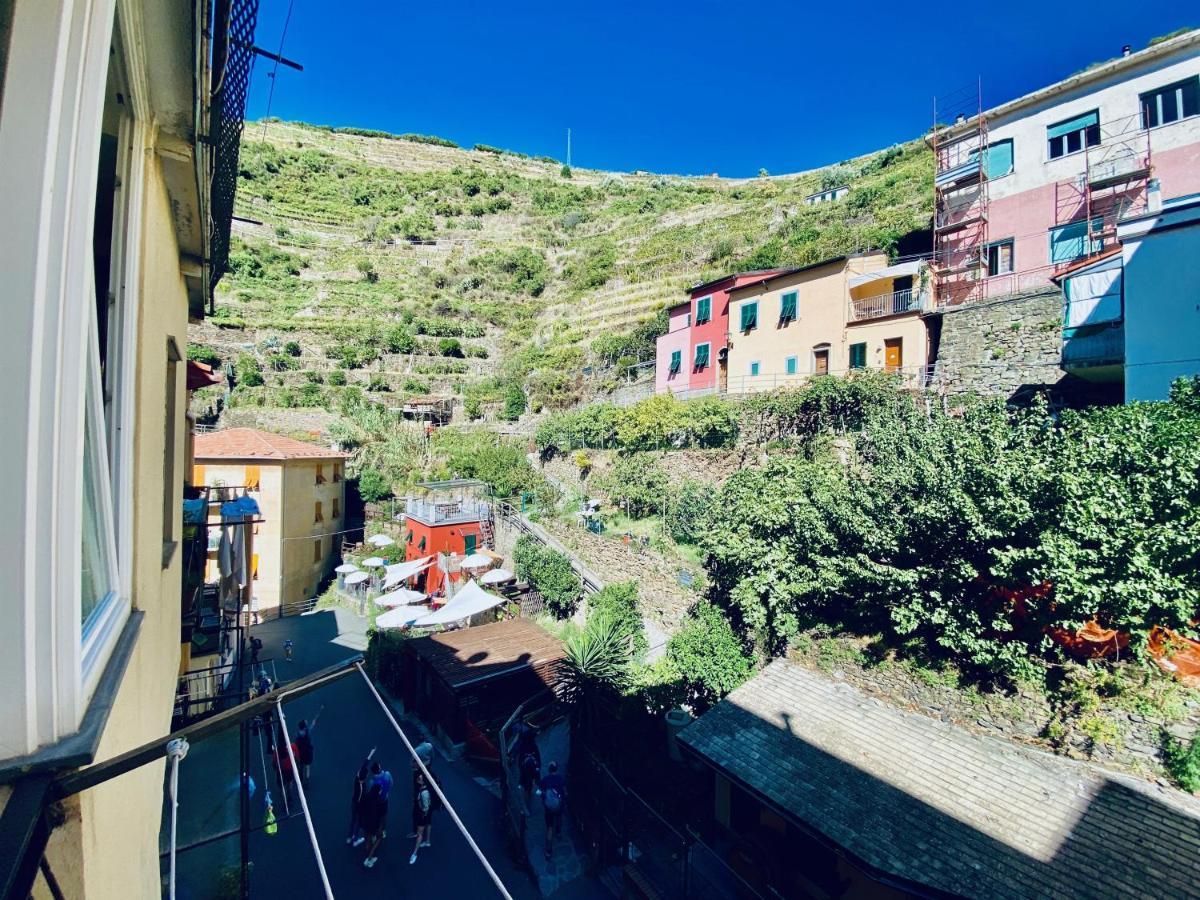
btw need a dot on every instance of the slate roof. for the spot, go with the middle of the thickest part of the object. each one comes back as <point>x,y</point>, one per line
<point>487,651</point>
<point>914,800</point>
<point>250,443</point>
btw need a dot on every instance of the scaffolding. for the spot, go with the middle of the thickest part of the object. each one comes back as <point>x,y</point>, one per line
<point>959,139</point>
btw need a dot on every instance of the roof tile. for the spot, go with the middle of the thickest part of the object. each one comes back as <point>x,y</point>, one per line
<point>250,443</point>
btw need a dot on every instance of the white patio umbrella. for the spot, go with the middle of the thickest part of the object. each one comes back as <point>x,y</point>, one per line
<point>400,616</point>
<point>469,601</point>
<point>346,568</point>
<point>380,540</point>
<point>476,561</point>
<point>372,562</point>
<point>400,597</point>
<point>357,578</point>
<point>496,576</point>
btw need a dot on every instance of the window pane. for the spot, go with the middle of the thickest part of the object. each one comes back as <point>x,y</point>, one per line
<point>1170,106</point>
<point>97,577</point>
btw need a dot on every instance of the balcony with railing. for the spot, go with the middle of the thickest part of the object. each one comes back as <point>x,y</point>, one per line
<point>881,305</point>
<point>446,512</point>
<point>1094,350</point>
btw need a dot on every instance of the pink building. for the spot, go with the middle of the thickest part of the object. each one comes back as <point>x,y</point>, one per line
<point>691,355</point>
<point>1039,182</point>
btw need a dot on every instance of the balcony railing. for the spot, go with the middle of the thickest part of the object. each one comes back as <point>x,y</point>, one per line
<point>446,512</point>
<point>881,305</point>
<point>1090,347</point>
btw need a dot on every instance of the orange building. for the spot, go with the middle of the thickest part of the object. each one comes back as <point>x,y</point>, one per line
<point>450,522</point>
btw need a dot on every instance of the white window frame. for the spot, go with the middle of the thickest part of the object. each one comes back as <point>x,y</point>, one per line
<point>707,345</point>
<point>700,300</point>
<point>50,128</point>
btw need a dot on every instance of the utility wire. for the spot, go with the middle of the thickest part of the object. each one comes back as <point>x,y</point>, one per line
<point>275,70</point>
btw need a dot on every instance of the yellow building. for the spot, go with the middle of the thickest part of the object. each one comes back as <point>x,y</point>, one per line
<point>300,490</point>
<point>116,222</point>
<point>818,320</point>
<point>884,326</point>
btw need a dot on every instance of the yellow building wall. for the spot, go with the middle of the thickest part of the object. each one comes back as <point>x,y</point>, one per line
<point>301,531</point>
<point>909,328</point>
<point>118,821</point>
<point>821,319</point>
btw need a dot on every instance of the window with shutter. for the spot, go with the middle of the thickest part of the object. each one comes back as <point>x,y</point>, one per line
<point>858,356</point>
<point>790,365</point>
<point>703,310</point>
<point>676,361</point>
<point>787,306</point>
<point>252,478</point>
<point>469,543</point>
<point>1073,135</point>
<point>337,508</point>
<point>1070,241</point>
<point>318,516</point>
<point>317,550</point>
<point>749,316</point>
<point>754,368</point>
<point>320,474</point>
<point>1171,103</point>
<point>701,359</point>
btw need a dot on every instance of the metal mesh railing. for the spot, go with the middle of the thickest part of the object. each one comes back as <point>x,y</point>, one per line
<point>233,60</point>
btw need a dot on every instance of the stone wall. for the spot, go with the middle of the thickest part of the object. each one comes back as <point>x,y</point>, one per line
<point>1002,346</point>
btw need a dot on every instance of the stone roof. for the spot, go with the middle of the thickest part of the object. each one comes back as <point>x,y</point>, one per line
<point>250,443</point>
<point>924,804</point>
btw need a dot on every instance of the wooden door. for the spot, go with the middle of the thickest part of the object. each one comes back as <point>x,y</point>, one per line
<point>821,362</point>
<point>893,354</point>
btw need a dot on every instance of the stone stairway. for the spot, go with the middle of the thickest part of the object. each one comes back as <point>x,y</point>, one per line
<point>566,861</point>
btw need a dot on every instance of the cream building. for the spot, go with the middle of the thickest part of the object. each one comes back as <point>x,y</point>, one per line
<point>116,221</point>
<point>787,327</point>
<point>300,489</point>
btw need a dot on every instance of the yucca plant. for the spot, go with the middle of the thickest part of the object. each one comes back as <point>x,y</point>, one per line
<point>599,659</point>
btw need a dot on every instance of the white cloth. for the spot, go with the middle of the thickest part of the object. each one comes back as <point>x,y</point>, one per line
<point>496,576</point>
<point>476,561</point>
<point>469,601</point>
<point>401,572</point>
<point>1095,298</point>
<point>400,597</point>
<point>400,616</point>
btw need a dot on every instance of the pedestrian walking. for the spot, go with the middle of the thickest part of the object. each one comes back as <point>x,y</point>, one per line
<point>287,650</point>
<point>375,812</point>
<point>424,752</point>
<point>422,815</point>
<point>528,770</point>
<point>358,798</point>
<point>305,746</point>
<point>553,789</point>
<point>283,768</point>
<point>256,646</point>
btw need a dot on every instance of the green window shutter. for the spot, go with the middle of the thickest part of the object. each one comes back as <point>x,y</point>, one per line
<point>787,306</point>
<point>1079,122</point>
<point>676,360</point>
<point>703,310</point>
<point>421,543</point>
<point>469,544</point>
<point>1069,242</point>
<point>999,159</point>
<point>749,316</point>
<point>858,356</point>
<point>753,368</point>
<point>791,365</point>
<point>701,355</point>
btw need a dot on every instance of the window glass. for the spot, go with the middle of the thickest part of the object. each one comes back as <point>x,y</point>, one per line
<point>1000,258</point>
<point>1069,136</point>
<point>98,577</point>
<point>1171,103</point>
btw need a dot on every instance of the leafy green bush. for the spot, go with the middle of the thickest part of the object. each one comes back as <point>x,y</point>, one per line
<point>372,486</point>
<point>247,371</point>
<point>292,348</point>
<point>688,511</point>
<point>1182,761</point>
<point>310,395</point>
<point>514,403</point>
<point>637,484</point>
<point>521,271</point>
<point>337,378</point>
<point>202,354</point>
<point>550,574</point>
<point>379,383</point>
<point>450,347</point>
<point>367,269</point>
<point>709,657</point>
<point>594,266</point>
<point>620,601</point>
<point>400,339</point>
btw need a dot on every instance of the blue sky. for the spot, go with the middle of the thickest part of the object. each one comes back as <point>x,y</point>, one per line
<point>672,87</point>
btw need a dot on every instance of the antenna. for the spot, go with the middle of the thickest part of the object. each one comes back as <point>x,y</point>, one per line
<point>568,148</point>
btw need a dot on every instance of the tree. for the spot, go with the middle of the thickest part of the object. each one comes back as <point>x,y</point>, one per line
<point>565,171</point>
<point>688,511</point>
<point>637,484</point>
<point>372,486</point>
<point>599,664</point>
<point>400,339</point>
<point>708,656</point>
<point>450,347</point>
<point>620,601</point>
<point>549,572</point>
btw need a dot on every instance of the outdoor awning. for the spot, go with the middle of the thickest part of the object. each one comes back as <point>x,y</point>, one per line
<point>471,600</point>
<point>400,597</point>
<point>897,271</point>
<point>346,568</point>
<point>200,375</point>
<point>496,576</point>
<point>357,578</point>
<point>400,616</point>
<point>374,562</point>
<point>401,572</point>
<point>476,561</point>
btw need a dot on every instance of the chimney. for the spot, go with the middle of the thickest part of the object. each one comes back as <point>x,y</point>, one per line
<point>1126,50</point>
<point>960,119</point>
<point>1153,196</point>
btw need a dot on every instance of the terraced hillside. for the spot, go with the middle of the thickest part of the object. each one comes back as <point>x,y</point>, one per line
<point>406,267</point>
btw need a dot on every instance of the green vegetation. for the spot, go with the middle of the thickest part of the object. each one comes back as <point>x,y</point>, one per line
<point>620,602</point>
<point>1182,761</point>
<point>708,657</point>
<point>550,574</point>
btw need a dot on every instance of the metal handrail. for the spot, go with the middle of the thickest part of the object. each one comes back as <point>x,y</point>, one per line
<point>881,305</point>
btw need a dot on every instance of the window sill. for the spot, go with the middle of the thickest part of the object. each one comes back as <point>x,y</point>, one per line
<point>79,749</point>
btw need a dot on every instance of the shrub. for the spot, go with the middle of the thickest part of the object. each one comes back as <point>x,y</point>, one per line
<point>314,377</point>
<point>708,656</point>
<point>400,339</point>
<point>247,371</point>
<point>450,347</point>
<point>292,348</point>
<point>550,574</point>
<point>1182,761</point>
<point>688,511</point>
<point>372,486</point>
<point>514,403</point>
<point>637,484</point>
<point>415,386</point>
<point>378,383</point>
<point>565,171</point>
<point>367,268</point>
<point>594,266</point>
<point>201,354</point>
<point>337,378</point>
<point>310,395</point>
<point>620,601</point>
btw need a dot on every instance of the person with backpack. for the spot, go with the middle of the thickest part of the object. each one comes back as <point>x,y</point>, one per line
<point>422,815</point>
<point>375,812</point>
<point>528,769</point>
<point>304,744</point>
<point>553,789</point>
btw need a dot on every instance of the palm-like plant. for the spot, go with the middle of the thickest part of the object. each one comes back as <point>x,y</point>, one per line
<point>599,658</point>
